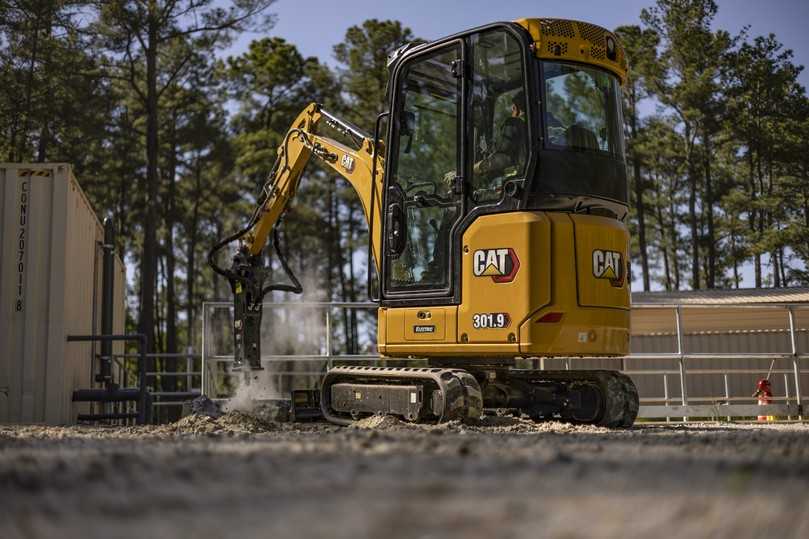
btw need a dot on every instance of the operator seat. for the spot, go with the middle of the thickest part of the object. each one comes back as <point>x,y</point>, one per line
<point>581,138</point>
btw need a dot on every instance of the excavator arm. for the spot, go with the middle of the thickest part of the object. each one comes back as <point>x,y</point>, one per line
<point>247,274</point>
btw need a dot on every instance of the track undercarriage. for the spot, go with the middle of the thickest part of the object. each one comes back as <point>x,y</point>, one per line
<point>436,395</point>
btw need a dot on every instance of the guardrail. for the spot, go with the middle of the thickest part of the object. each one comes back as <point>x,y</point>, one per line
<point>154,380</point>
<point>789,405</point>
<point>722,405</point>
<point>113,394</point>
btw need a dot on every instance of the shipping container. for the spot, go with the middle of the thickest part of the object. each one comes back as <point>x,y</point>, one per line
<point>50,287</point>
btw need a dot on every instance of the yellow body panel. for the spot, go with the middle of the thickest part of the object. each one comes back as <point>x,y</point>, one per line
<point>433,325</point>
<point>555,274</point>
<point>561,39</point>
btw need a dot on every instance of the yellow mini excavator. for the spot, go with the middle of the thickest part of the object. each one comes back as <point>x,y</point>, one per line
<point>496,211</point>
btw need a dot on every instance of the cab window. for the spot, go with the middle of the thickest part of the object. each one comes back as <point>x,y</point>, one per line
<point>582,109</point>
<point>498,114</point>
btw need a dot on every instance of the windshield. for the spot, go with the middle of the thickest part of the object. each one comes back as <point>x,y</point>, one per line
<point>582,109</point>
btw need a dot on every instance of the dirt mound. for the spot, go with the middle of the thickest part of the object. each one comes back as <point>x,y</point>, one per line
<point>228,423</point>
<point>492,424</point>
<point>381,422</point>
<point>509,424</point>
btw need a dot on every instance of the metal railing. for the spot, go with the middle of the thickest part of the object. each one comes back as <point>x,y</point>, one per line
<point>154,380</point>
<point>112,393</point>
<point>665,406</point>
<point>317,363</point>
<point>722,405</point>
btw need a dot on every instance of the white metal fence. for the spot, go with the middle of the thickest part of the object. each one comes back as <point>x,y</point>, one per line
<point>304,339</point>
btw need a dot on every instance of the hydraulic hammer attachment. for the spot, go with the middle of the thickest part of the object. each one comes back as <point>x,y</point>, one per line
<point>247,276</point>
<point>247,287</point>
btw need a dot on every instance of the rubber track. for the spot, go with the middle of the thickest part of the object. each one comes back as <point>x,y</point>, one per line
<point>619,392</point>
<point>461,393</point>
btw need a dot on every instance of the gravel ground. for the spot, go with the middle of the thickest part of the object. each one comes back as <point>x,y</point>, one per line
<point>239,476</point>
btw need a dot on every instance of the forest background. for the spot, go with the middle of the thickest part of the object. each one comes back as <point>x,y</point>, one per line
<point>172,136</point>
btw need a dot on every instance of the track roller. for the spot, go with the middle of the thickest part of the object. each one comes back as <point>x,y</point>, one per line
<point>603,398</point>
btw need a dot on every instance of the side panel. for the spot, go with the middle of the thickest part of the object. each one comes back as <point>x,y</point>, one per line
<point>431,325</point>
<point>578,329</point>
<point>60,253</point>
<point>520,293</point>
<point>81,299</point>
<point>8,188</point>
<point>602,246</point>
<point>505,272</point>
<point>25,290</point>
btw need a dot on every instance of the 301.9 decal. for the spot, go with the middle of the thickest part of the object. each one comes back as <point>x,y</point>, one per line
<point>490,320</point>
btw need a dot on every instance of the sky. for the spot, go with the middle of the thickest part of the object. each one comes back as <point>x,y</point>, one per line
<point>315,26</point>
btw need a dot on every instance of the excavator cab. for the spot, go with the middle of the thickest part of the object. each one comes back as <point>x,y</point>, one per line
<point>505,187</point>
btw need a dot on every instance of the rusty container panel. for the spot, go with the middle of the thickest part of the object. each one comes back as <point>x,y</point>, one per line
<point>50,287</point>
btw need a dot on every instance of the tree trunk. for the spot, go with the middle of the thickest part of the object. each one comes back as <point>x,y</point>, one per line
<point>171,365</point>
<point>191,251</point>
<point>146,323</point>
<point>664,239</point>
<point>352,288</point>
<point>753,215</point>
<point>29,92</point>
<point>45,131</point>
<point>692,210</point>
<point>710,279</point>
<point>674,243</point>
<point>171,297</point>
<point>341,274</point>
<point>639,205</point>
<point>330,247</point>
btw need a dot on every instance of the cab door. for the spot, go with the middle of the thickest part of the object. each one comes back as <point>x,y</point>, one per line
<point>424,181</point>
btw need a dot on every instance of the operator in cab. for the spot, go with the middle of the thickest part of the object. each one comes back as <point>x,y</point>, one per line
<point>506,156</point>
<point>509,147</point>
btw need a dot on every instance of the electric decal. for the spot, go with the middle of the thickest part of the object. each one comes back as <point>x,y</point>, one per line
<point>608,265</point>
<point>499,264</point>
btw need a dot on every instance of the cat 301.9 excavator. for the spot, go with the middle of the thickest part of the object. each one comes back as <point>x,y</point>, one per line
<point>496,211</point>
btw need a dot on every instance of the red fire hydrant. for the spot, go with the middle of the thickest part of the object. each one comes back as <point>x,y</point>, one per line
<point>764,394</point>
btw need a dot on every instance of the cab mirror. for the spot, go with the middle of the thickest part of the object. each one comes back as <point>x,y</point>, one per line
<point>395,222</point>
<point>396,227</point>
<point>407,126</point>
<point>408,123</point>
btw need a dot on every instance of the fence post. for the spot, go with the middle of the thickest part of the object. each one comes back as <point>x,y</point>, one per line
<point>189,367</point>
<point>678,315</point>
<point>727,392</point>
<point>796,369</point>
<point>203,361</point>
<point>329,363</point>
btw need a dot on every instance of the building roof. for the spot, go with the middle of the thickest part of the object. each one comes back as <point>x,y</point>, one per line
<point>745,310</point>
<point>723,296</point>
